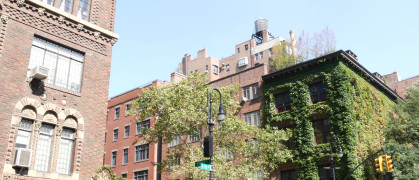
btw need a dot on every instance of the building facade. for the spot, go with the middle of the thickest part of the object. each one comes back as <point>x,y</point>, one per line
<point>55,59</point>
<point>400,86</point>
<point>322,97</point>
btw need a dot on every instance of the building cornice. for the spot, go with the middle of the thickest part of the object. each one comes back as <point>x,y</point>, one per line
<point>73,18</point>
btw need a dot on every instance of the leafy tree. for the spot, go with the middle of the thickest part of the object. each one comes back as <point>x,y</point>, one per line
<point>181,109</point>
<point>308,47</point>
<point>402,136</point>
<point>102,175</point>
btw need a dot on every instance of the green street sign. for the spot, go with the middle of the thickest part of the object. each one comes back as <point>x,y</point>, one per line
<point>198,163</point>
<point>206,167</point>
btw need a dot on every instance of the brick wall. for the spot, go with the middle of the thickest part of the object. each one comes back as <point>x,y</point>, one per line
<point>25,21</point>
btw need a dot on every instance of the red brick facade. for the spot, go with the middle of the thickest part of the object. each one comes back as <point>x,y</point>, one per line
<point>399,86</point>
<point>82,111</point>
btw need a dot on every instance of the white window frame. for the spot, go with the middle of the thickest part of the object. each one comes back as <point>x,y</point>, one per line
<point>251,92</point>
<point>65,66</point>
<point>65,156</point>
<point>64,7</point>
<point>125,158</point>
<point>215,69</point>
<point>113,159</point>
<point>117,112</point>
<point>125,131</point>
<point>143,125</point>
<point>138,153</point>
<point>252,118</point>
<point>175,141</point>
<point>43,151</point>
<point>115,137</point>
<point>141,178</point>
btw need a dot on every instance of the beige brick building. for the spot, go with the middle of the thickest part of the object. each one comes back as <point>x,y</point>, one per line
<point>55,58</point>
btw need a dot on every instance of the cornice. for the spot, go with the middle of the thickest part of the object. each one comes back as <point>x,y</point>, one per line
<point>73,18</point>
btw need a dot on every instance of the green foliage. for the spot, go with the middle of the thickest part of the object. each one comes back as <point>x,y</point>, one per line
<point>181,110</point>
<point>402,136</point>
<point>102,175</point>
<point>283,58</point>
<point>356,110</point>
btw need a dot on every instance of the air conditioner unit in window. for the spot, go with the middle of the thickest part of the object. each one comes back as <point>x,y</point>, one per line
<point>39,72</point>
<point>23,157</point>
<point>243,61</point>
<point>244,99</point>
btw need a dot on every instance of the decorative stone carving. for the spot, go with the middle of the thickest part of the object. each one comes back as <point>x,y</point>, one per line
<point>29,113</point>
<point>70,122</point>
<point>58,131</point>
<point>113,41</point>
<point>80,27</point>
<point>37,125</point>
<point>4,18</point>
<point>96,34</point>
<point>50,117</point>
<point>20,2</point>
<point>61,19</point>
<point>41,11</point>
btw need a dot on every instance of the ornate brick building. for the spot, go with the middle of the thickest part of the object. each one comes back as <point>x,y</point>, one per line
<point>55,58</point>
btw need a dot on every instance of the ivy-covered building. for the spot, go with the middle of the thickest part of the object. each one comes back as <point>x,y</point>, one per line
<point>329,95</point>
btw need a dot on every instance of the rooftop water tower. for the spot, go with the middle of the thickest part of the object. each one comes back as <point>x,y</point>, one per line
<point>261,30</point>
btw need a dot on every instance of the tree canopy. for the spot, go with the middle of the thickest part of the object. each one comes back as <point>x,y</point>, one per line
<point>402,136</point>
<point>240,150</point>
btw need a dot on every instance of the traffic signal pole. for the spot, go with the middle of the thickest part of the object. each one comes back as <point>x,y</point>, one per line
<point>363,162</point>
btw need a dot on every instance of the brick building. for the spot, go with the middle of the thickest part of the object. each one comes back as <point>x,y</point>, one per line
<point>55,59</point>
<point>400,86</point>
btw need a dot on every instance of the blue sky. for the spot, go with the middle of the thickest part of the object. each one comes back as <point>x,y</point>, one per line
<point>154,35</point>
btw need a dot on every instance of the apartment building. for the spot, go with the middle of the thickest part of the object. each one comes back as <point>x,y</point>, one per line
<point>55,59</point>
<point>396,84</point>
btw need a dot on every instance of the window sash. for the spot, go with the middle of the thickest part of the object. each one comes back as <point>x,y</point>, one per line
<point>66,5</point>
<point>141,175</point>
<point>318,92</point>
<point>113,160</point>
<point>64,161</point>
<point>84,8</point>
<point>125,157</point>
<point>43,152</point>
<point>115,134</point>
<point>126,133</point>
<point>65,66</point>
<point>117,110</point>
<point>252,118</point>
<point>283,102</point>
<point>141,152</point>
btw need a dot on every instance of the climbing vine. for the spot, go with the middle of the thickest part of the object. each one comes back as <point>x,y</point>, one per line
<point>356,110</point>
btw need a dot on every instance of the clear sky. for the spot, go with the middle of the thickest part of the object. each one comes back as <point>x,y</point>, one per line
<point>154,35</point>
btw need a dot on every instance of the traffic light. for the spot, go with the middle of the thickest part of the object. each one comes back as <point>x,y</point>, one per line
<point>379,164</point>
<point>208,146</point>
<point>389,164</point>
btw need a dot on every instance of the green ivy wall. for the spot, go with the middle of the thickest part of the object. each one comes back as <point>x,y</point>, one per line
<point>357,112</point>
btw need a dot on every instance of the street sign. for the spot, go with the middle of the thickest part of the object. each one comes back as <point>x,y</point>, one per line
<point>198,163</point>
<point>206,167</point>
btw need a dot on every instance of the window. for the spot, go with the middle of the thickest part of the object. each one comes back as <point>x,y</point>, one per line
<point>253,118</point>
<point>65,66</point>
<point>191,72</point>
<point>250,92</point>
<point>50,2</point>
<point>113,161</point>
<point>238,50</point>
<point>196,136</point>
<point>105,136</point>
<point>206,68</point>
<point>84,7</point>
<point>127,109</point>
<point>126,132</point>
<point>141,152</point>
<point>317,92</point>
<point>256,56</point>
<point>125,157</point>
<point>117,110</point>
<point>271,53</point>
<point>322,131</point>
<point>115,134</point>
<point>283,102</point>
<point>175,141</point>
<point>43,151</point>
<point>66,5</point>
<point>141,175</point>
<point>65,158</point>
<point>258,175</point>
<point>261,55</point>
<point>246,47</point>
<point>143,125</point>
<point>174,162</point>
<point>124,175</point>
<point>289,175</point>
<point>215,69</point>
<point>228,67</point>
<point>23,138</point>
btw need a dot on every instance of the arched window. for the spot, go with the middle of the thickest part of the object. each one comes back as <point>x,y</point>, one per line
<point>64,162</point>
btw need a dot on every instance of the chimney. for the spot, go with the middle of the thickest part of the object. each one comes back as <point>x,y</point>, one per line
<point>293,43</point>
<point>265,36</point>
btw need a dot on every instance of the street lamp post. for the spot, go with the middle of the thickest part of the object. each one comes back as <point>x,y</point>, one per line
<point>340,154</point>
<point>221,116</point>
